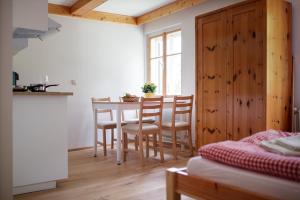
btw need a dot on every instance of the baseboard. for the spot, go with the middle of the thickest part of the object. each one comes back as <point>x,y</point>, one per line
<point>34,187</point>
<point>167,144</point>
<point>80,148</point>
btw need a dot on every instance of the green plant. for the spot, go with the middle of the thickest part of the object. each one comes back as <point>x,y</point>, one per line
<point>149,87</point>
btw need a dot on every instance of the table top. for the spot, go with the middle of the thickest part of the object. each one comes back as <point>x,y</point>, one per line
<point>118,102</point>
<point>43,93</point>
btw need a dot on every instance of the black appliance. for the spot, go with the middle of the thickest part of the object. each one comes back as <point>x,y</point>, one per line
<point>15,78</point>
<point>39,87</point>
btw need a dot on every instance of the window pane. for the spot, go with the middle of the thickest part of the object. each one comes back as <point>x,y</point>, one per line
<point>156,68</point>
<point>174,42</point>
<point>174,75</point>
<point>156,47</point>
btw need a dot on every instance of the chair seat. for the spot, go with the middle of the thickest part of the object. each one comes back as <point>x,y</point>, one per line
<point>135,127</point>
<point>108,124</point>
<point>178,124</point>
<point>136,120</point>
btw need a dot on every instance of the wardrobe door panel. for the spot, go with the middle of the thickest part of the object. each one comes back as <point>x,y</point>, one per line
<point>279,66</point>
<point>247,59</point>
<point>211,77</point>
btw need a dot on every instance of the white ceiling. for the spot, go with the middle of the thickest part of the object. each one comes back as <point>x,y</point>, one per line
<point>131,7</point>
<point>124,7</point>
<point>62,2</point>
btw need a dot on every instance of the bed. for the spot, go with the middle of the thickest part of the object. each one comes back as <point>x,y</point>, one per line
<point>209,178</point>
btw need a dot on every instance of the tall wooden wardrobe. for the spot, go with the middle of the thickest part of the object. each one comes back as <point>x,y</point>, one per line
<point>243,70</point>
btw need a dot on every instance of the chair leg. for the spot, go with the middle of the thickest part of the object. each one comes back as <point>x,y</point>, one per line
<point>155,144</point>
<point>126,144</point>
<point>147,146</point>
<point>161,147</point>
<point>124,134</point>
<point>112,138</point>
<point>174,144</point>
<point>190,141</point>
<point>136,143</point>
<point>96,143</point>
<point>141,149</point>
<point>104,141</point>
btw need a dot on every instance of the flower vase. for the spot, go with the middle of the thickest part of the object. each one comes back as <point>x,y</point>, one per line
<point>149,95</point>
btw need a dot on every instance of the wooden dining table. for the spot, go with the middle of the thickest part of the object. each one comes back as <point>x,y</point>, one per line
<point>118,107</point>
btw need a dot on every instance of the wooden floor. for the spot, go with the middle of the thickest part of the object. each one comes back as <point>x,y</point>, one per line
<point>100,178</point>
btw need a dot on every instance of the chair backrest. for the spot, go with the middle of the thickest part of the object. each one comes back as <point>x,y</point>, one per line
<point>151,107</point>
<point>182,105</point>
<point>106,99</point>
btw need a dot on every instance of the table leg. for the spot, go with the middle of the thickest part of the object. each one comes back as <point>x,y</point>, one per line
<point>119,130</point>
<point>95,132</point>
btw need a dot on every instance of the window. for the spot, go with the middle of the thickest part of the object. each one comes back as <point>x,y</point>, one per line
<point>165,62</point>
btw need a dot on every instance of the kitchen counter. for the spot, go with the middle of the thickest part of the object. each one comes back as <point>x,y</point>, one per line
<point>44,93</point>
<point>40,140</point>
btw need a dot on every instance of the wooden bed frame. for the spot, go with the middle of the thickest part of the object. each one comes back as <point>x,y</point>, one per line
<point>179,182</point>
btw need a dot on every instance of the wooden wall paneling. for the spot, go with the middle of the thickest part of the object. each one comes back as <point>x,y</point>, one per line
<point>279,65</point>
<point>248,90</point>
<point>212,72</point>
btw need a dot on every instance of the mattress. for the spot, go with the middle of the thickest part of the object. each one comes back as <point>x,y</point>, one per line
<point>248,154</point>
<point>258,183</point>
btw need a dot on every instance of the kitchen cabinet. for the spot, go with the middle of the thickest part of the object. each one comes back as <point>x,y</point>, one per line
<point>40,153</point>
<point>30,14</point>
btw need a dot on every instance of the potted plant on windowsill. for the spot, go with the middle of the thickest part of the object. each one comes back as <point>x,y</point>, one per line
<point>149,89</point>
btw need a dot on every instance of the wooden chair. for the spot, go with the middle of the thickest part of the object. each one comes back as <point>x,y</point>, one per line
<point>135,119</point>
<point>104,125</point>
<point>182,105</point>
<point>149,107</point>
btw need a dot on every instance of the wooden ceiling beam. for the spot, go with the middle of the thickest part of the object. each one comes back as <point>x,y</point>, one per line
<point>104,16</point>
<point>167,10</point>
<point>82,7</point>
<point>59,10</point>
<point>93,15</point>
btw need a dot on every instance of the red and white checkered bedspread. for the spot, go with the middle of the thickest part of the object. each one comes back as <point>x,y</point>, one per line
<point>248,155</point>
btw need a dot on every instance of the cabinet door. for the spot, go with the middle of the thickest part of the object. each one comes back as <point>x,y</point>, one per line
<point>211,78</point>
<point>247,59</point>
<point>30,14</point>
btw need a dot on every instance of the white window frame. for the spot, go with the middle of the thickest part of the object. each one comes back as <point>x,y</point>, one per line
<point>164,57</point>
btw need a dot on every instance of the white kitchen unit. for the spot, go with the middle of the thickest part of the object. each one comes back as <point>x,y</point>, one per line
<point>30,14</point>
<point>40,154</point>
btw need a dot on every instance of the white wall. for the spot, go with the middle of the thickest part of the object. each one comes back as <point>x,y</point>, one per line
<point>105,59</point>
<point>186,21</point>
<point>5,99</point>
<point>296,50</point>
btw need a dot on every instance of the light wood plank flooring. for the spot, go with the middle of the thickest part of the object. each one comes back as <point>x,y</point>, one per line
<point>100,178</point>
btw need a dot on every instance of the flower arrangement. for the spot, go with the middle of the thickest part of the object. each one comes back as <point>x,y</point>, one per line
<point>149,88</point>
